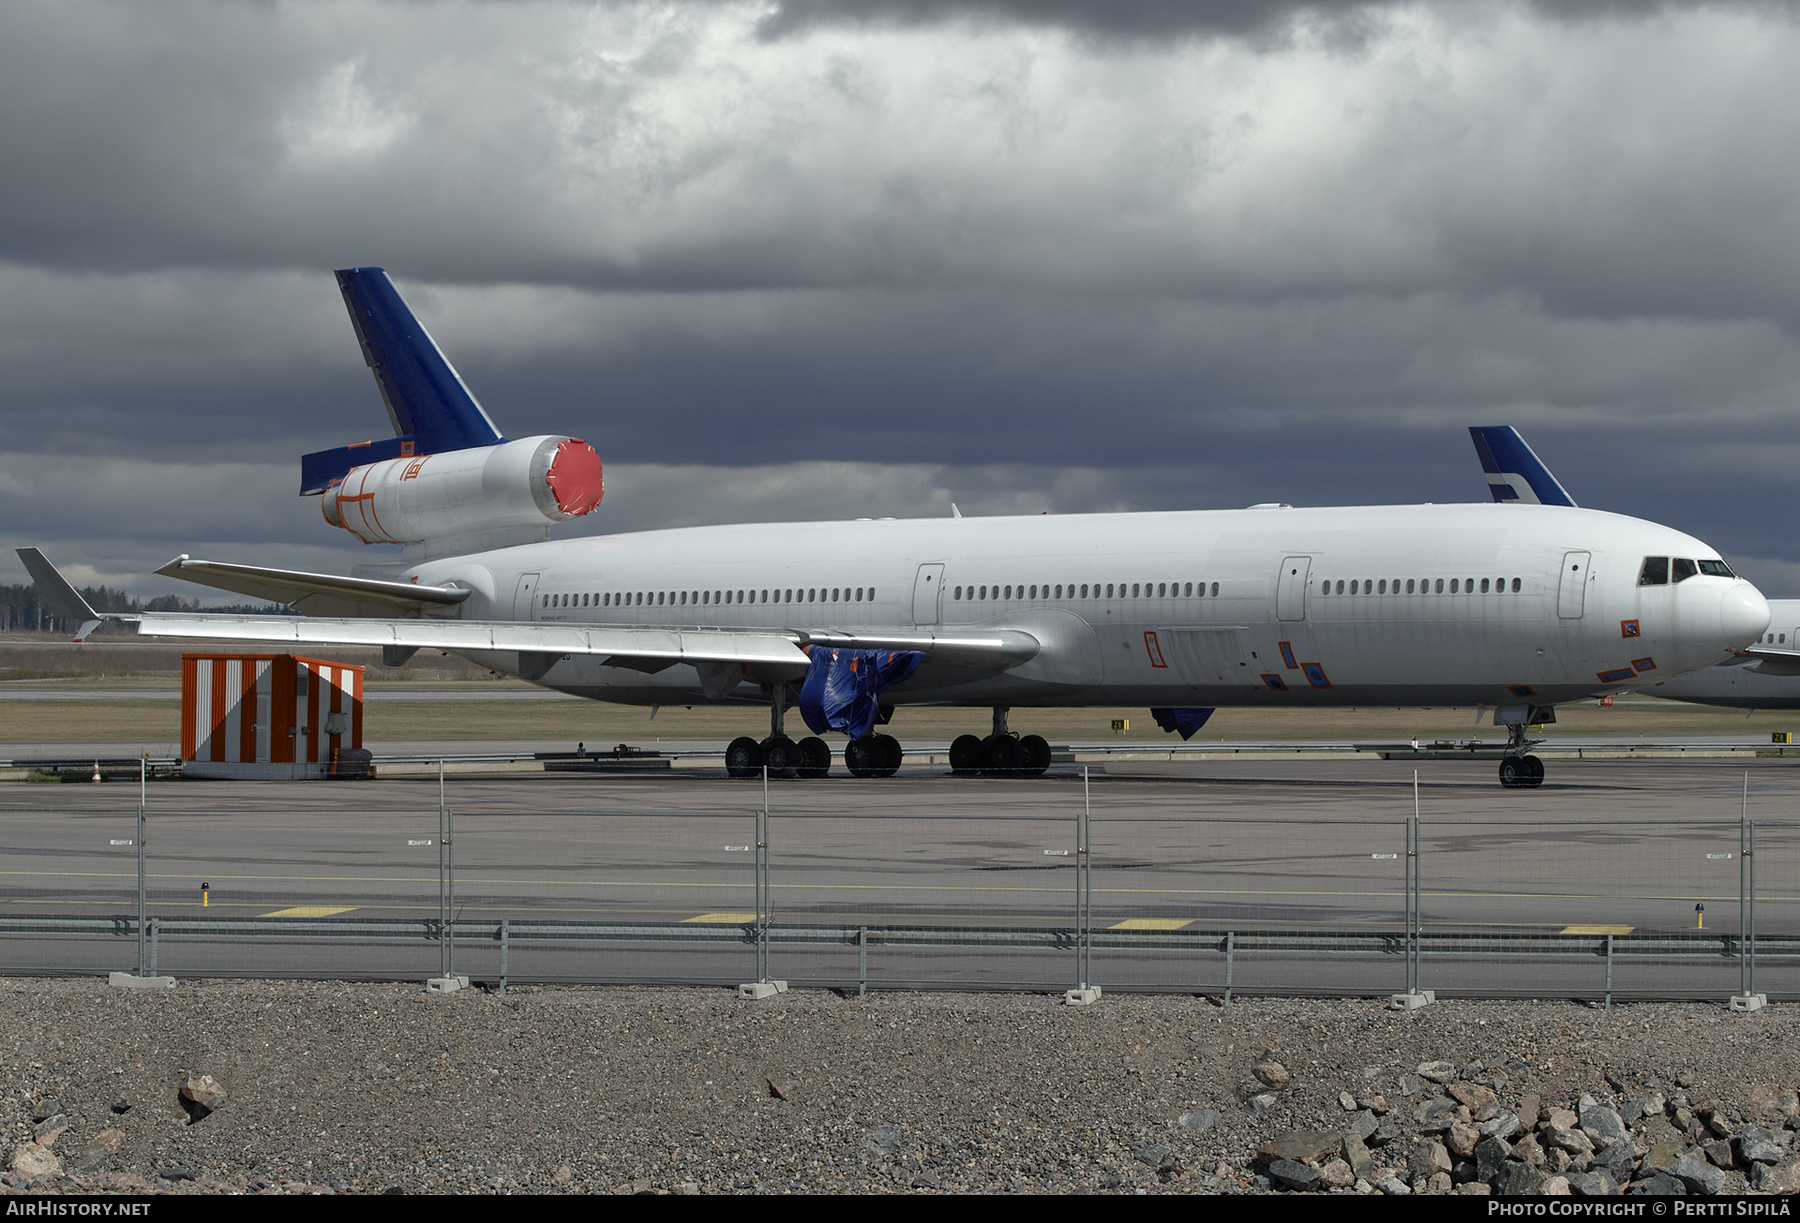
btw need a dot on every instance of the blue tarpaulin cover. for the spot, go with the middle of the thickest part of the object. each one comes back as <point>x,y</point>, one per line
<point>843,687</point>
<point>1187,721</point>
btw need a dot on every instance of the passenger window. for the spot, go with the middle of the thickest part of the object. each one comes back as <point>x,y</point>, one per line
<point>1655,571</point>
<point>1440,586</point>
<point>1515,585</point>
<point>1681,569</point>
<point>1215,590</point>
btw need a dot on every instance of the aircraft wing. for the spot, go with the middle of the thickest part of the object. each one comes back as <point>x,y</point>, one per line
<point>317,594</point>
<point>766,656</point>
<point>995,650</point>
<point>1771,660</point>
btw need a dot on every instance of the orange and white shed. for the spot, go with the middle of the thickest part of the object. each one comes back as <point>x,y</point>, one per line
<point>274,716</point>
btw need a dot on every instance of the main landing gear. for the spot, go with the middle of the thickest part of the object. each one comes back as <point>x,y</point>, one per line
<point>870,756</point>
<point>1518,770</point>
<point>810,757</point>
<point>1001,754</point>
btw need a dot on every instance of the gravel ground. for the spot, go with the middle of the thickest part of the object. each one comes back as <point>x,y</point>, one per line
<point>335,1087</point>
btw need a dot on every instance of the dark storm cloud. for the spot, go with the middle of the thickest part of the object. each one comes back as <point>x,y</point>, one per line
<point>811,260</point>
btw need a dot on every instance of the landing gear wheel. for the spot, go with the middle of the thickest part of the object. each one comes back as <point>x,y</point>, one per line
<point>864,757</point>
<point>744,758</point>
<point>891,755</point>
<point>815,757</point>
<point>965,755</point>
<point>1036,755</point>
<point>782,756</point>
<point>1513,772</point>
<point>1000,756</point>
<point>1535,772</point>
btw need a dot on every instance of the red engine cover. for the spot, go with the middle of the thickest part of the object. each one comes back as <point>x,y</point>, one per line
<point>575,477</point>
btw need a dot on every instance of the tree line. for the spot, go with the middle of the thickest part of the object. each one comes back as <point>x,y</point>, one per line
<point>23,611</point>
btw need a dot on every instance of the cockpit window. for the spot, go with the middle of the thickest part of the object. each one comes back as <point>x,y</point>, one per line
<point>1681,569</point>
<point>1655,571</point>
<point>1716,569</point>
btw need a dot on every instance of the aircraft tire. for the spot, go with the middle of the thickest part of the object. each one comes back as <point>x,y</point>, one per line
<point>1513,772</point>
<point>1534,772</point>
<point>744,758</point>
<point>1036,753</point>
<point>815,757</point>
<point>891,755</point>
<point>863,757</point>
<point>782,756</point>
<point>965,755</point>
<point>1000,756</point>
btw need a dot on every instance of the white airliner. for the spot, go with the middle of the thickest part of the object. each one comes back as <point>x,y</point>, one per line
<point>1516,608</point>
<point>1766,675</point>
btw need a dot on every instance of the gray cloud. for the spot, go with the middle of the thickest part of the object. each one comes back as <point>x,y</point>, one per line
<point>809,260</point>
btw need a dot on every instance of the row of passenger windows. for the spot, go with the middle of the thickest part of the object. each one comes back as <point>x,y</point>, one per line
<point>1150,590</point>
<point>1424,586</point>
<point>1666,571</point>
<point>704,598</point>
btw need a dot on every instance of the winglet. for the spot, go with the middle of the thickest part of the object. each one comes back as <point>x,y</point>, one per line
<point>1515,473</point>
<point>63,600</point>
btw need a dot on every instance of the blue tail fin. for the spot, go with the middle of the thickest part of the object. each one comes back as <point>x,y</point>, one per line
<point>430,408</point>
<point>1514,473</point>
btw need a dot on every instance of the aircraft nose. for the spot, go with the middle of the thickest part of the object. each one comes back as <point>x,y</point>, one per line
<point>1743,615</point>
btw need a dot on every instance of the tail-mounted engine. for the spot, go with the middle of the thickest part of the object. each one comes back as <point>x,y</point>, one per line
<point>530,483</point>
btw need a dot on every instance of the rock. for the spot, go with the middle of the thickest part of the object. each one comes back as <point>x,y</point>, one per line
<point>1556,1187</point>
<point>1783,1177</point>
<point>1375,1104</point>
<point>1529,1151</point>
<point>1662,1155</point>
<point>1503,1126</point>
<point>121,1106</point>
<point>1661,1185</point>
<point>1427,1159</point>
<point>1719,1152</point>
<point>203,1092</point>
<point>1409,1086</point>
<point>44,1109</point>
<point>1763,1100</point>
<point>1654,1104</point>
<point>32,1160</point>
<point>1158,1156</point>
<point>1438,1182</point>
<point>1437,1072</point>
<point>1593,1185</point>
<point>1201,1120</point>
<point>177,1174</point>
<point>1788,1102</point>
<point>1261,1104</point>
<point>1393,1186</point>
<point>49,1130</point>
<point>1295,1175</point>
<point>1575,1142</point>
<point>1618,1161</point>
<point>1491,1155</point>
<point>1473,1095</point>
<point>1558,1119</point>
<point>1439,1114</point>
<point>1388,1132</point>
<point>1758,1146</point>
<point>1272,1075</point>
<point>1698,1175</point>
<point>1520,1180</point>
<point>1337,1174</point>
<point>96,1156</point>
<point>1461,1140</point>
<point>1364,1124</point>
<point>1602,1124</point>
<point>927,1180</point>
<point>1475,1189</point>
<point>111,1139</point>
<point>1299,1146</point>
<point>882,1140</point>
<point>1346,1101</point>
<point>1720,1125</point>
<point>1357,1156</point>
<point>564,1175</point>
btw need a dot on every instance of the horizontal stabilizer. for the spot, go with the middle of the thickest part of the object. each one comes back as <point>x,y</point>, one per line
<point>764,656</point>
<point>323,468</point>
<point>63,600</point>
<point>317,594</point>
<point>1515,473</point>
<point>425,397</point>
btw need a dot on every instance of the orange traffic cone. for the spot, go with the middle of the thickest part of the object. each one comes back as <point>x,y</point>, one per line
<point>96,772</point>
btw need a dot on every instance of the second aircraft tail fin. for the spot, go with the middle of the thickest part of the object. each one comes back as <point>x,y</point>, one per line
<point>1515,473</point>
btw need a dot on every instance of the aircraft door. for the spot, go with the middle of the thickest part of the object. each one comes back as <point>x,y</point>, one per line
<point>1290,590</point>
<point>927,590</point>
<point>525,600</point>
<point>1571,596</point>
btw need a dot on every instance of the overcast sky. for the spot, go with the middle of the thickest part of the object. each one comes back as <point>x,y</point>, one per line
<point>816,260</point>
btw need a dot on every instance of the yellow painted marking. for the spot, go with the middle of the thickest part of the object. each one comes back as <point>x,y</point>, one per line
<point>720,919</point>
<point>1598,929</point>
<point>313,911</point>
<point>1153,923</point>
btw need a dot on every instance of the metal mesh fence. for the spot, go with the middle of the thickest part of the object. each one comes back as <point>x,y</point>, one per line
<point>1123,890</point>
